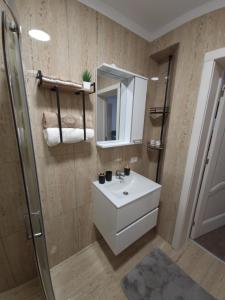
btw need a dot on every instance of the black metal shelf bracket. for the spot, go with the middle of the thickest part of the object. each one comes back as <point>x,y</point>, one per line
<point>84,115</point>
<point>55,88</point>
<point>165,110</point>
<point>158,110</point>
<point>93,84</point>
<point>84,108</point>
<point>39,76</point>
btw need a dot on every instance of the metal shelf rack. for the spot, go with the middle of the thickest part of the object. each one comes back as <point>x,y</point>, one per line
<point>57,85</point>
<point>162,112</point>
<point>158,110</point>
<point>151,147</point>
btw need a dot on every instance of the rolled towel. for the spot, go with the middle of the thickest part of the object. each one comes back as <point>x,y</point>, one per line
<point>50,120</point>
<point>70,135</point>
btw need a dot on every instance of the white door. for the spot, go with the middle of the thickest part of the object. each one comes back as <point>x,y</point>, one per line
<point>210,211</point>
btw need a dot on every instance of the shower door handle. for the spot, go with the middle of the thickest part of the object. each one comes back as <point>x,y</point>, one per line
<point>36,223</point>
<point>36,216</point>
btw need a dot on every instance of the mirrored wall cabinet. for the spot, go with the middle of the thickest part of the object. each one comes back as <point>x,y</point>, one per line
<point>121,98</point>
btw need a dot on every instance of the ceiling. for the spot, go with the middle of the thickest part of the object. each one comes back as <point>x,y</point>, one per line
<point>153,18</point>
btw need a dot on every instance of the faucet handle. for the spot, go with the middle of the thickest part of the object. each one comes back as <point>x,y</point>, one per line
<point>119,173</point>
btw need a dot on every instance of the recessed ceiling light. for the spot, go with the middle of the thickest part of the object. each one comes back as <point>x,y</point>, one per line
<point>39,35</point>
<point>154,78</point>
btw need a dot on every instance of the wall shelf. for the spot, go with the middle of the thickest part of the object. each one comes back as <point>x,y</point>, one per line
<point>155,113</point>
<point>160,110</point>
<point>57,85</point>
<point>152,148</point>
<point>63,85</point>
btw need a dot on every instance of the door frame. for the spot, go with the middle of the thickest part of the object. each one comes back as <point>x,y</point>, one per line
<point>200,224</point>
<point>210,87</point>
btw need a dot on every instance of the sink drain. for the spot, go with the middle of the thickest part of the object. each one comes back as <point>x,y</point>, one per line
<point>125,193</point>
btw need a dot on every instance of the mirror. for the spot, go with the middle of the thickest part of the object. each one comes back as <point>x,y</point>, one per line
<point>114,106</point>
<point>108,108</point>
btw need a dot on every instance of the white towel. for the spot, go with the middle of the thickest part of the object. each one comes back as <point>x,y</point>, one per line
<point>69,135</point>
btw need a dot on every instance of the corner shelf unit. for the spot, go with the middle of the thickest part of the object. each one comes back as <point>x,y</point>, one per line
<point>160,110</point>
<point>57,85</point>
<point>151,147</point>
<point>155,113</point>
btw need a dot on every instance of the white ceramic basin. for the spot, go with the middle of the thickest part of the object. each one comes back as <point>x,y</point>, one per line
<point>132,187</point>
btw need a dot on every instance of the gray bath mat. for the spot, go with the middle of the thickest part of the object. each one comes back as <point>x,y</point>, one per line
<point>156,277</point>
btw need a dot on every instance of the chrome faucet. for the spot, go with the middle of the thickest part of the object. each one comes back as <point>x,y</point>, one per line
<point>120,174</point>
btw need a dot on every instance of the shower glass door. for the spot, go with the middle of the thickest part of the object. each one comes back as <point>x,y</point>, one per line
<point>18,97</point>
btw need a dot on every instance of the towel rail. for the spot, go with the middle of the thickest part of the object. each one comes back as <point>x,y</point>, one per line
<point>57,85</point>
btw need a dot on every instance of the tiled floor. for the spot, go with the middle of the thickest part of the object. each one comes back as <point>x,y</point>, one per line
<point>214,242</point>
<point>28,291</point>
<point>95,273</point>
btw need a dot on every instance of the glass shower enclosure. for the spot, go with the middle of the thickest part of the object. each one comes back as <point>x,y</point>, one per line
<point>16,86</point>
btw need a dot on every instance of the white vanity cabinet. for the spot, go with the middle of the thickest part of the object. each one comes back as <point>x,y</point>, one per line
<point>122,219</point>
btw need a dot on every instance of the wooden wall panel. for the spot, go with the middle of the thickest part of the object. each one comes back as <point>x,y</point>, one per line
<point>17,263</point>
<point>80,38</point>
<point>195,38</point>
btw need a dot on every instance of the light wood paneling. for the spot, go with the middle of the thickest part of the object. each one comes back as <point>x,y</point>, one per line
<point>20,255</point>
<point>12,205</point>
<point>17,264</point>
<point>6,278</point>
<point>7,134</point>
<point>62,236</point>
<point>80,38</point>
<point>195,38</point>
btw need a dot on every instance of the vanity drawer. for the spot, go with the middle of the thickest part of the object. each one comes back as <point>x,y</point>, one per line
<point>131,233</point>
<point>133,211</point>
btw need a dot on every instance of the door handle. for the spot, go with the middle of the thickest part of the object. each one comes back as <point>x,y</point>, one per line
<point>36,222</point>
<point>39,233</point>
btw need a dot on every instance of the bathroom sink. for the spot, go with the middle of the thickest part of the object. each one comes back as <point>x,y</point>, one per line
<point>123,191</point>
<point>125,209</point>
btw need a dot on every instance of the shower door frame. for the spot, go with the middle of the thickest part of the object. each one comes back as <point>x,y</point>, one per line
<point>46,285</point>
